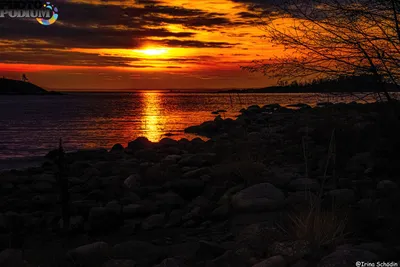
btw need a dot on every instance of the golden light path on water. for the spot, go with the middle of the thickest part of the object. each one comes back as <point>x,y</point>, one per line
<point>152,121</point>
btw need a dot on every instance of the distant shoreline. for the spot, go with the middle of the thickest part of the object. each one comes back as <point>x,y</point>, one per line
<point>15,87</point>
<point>261,91</point>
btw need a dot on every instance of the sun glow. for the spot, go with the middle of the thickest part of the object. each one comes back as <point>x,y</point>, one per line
<point>152,51</point>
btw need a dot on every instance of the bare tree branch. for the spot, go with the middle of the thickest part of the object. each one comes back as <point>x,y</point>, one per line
<point>333,38</point>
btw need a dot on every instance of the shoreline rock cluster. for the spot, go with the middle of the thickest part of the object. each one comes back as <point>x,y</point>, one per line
<point>234,200</point>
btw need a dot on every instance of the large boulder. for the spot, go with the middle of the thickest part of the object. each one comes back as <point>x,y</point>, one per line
<point>154,176</point>
<point>208,128</point>
<point>360,162</point>
<point>387,187</point>
<point>280,176</point>
<point>375,247</point>
<point>292,251</point>
<point>184,143</point>
<point>347,257</point>
<point>131,210</point>
<point>196,173</point>
<point>168,142</point>
<point>77,168</point>
<point>117,148</point>
<point>94,254</point>
<point>111,187</point>
<point>91,172</point>
<point>253,109</point>
<point>208,250</point>
<point>171,159</point>
<point>138,144</point>
<point>254,137</point>
<point>43,187</point>
<point>239,171</point>
<point>6,187</point>
<point>275,261</point>
<point>175,218</point>
<point>222,212</point>
<point>46,177</point>
<point>130,198</point>
<point>76,223</point>
<point>130,226</point>
<point>12,258</point>
<point>171,172</point>
<point>16,221</point>
<point>119,263</point>
<point>192,160</point>
<point>42,200</point>
<point>143,208</point>
<point>153,221</point>
<point>147,154</point>
<point>103,219</point>
<point>251,172</point>
<point>106,168</point>
<point>169,201</point>
<point>83,207</point>
<point>258,237</point>
<point>142,252</point>
<point>259,197</point>
<point>229,259</point>
<point>170,262</point>
<point>186,188</point>
<point>133,181</point>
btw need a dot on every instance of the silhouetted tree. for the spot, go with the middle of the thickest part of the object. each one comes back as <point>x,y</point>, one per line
<point>333,38</point>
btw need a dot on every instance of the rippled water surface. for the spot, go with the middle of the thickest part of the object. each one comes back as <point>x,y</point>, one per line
<point>32,125</point>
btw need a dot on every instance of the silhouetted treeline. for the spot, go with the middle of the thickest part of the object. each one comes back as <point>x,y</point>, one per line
<point>350,84</point>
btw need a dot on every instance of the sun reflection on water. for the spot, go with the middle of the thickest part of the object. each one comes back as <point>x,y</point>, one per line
<point>152,121</point>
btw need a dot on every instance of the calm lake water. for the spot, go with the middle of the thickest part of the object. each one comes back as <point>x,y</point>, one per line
<point>32,125</point>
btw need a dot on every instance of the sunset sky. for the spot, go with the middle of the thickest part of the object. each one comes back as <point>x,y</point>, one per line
<point>154,44</point>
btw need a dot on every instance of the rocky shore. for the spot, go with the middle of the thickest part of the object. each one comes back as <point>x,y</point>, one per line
<point>275,187</point>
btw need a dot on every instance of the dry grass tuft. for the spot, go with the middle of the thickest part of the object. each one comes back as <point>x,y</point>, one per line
<point>321,228</point>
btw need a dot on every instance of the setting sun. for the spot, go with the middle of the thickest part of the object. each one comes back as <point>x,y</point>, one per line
<point>153,51</point>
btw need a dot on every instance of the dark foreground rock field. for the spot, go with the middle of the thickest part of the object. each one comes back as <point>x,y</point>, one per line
<point>274,187</point>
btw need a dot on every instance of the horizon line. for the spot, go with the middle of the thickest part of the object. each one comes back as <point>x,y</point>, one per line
<point>127,90</point>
